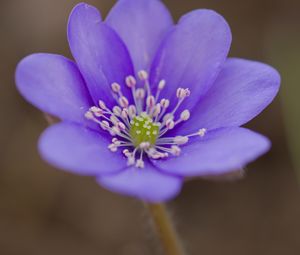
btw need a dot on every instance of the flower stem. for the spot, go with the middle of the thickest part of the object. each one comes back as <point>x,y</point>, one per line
<point>165,229</point>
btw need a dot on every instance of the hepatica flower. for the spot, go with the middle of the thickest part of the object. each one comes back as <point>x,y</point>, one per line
<point>148,102</point>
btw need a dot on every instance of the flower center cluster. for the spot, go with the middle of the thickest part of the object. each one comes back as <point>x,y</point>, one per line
<point>141,128</point>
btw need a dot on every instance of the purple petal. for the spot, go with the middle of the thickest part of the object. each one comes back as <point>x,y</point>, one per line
<point>79,150</point>
<point>192,54</point>
<point>242,90</point>
<point>142,25</point>
<point>99,52</point>
<point>147,184</point>
<point>217,153</point>
<point>54,85</point>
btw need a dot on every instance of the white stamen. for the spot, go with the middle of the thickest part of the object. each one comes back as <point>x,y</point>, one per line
<point>102,105</point>
<point>170,124</point>
<point>175,150</point>
<point>202,132</point>
<point>140,163</point>
<point>115,87</point>
<point>161,84</point>
<point>116,142</point>
<point>104,125</point>
<point>124,113</point>
<point>181,140</point>
<point>130,81</point>
<point>131,111</point>
<point>115,130</point>
<point>143,75</point>
<point>185,115</point>
<point>164,103</point>
<point>117,110</point>
<point>150,101</point>
<point>167,117</point>
<point>114,119</point>
<point>123,101</point>
<point>140,93</point>
<point>89,115</point>
<point>113,147</point>
<point>144,145</point>
<point>121,126</point>
<point>130,161</point>
<point>157,110</point>
<point>182,93</point>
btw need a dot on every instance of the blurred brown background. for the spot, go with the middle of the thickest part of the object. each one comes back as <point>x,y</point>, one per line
<point>45,211</point>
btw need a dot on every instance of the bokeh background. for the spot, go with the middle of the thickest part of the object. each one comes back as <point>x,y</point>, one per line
<point>46,211</point>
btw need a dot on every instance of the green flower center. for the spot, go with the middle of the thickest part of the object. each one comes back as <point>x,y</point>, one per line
<point>143,129</point>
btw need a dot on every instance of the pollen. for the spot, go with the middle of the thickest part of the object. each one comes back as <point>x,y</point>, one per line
<point>143,129</point>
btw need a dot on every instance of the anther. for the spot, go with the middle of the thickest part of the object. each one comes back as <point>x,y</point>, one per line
<point>117,110</point>
<point>115,87</point>
<point>130,81</point>
<point>143,75</point>
<point>161,84</point>
<point>113,147</point>
<point>175,150</point>
<point>126,153</point>
<point>130,160</point>
<point>132,111</point>
<point>121,126</point>
<point>114,119</point>
<point>115,141</point>
<point>140,93</point>
<point>104,125</point>
<point>185,115</point>
<point>140,163</point>
<point>144,145</point>
<point>150,101</point>
<point>102,105</point>
<point>89,115</point>
<point>170,124</point>
<point>124,113</point>
<point>123,101</point>
<point>202,132</point>
<point>181,140</point>
<point>168,116</point>
<point>164,103</point>
<point>115,130</point>
<point>157,110</point>
<point>182,93</point>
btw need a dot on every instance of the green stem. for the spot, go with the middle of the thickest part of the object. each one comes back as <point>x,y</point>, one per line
<point>165,229</point>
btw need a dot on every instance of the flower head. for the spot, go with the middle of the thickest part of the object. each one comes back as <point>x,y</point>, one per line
<point>146,102</point>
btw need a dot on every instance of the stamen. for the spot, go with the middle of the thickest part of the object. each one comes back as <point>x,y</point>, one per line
<point>123,101</point>
<point>143,75</point>
<point>150,102</point>
<point>130,81</point>
<point>105,125</point>
<point>116,87</point>
<point>160,87</point>
<point>185,115</point>
<point>141,126</point>
<point>102,105</point>
<point>132,111</point>
<point>181,140</point>
<point>117,111</point>
<point>175,150</point>
<point>201,132</point>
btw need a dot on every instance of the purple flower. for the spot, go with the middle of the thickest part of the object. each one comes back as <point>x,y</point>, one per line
<point>146,102</point>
